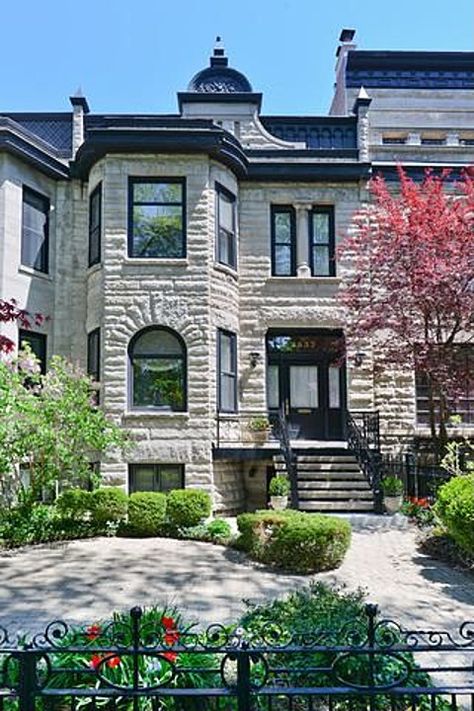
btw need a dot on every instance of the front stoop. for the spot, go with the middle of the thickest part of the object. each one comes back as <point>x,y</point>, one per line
<point>330,481</point>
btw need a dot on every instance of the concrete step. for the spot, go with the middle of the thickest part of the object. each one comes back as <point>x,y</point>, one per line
<point>347,495</point>
<point>333,484</point>
<point>339,506</point>
<point>328,466</point>
<point>330,476</point>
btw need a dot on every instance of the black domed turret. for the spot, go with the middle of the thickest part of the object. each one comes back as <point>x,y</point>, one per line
<point>219,78</point>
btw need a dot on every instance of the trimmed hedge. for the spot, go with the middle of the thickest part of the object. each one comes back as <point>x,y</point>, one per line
<point>109,505</point>
<point>455,508</point>
<point>187,507</point>
<point>146,514</point>
<point>75,504</point>
<point>294,541</point>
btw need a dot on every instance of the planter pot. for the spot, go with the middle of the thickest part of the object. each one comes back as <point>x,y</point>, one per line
<point>392,503</point>
<point>258,436</point>
<point>278,503</point>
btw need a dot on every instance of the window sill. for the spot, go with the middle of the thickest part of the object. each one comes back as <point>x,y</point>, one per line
<point>304,280</point>
<point>29,271</point>
<point>154,414</point>
<point>225,269</point>
<point>156,261</point>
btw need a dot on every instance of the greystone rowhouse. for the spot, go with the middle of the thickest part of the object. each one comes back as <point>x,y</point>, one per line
<point>187,261</point>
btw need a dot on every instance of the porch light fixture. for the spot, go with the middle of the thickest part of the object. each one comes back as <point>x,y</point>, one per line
<point>254,359</point>
<point>359,359</point>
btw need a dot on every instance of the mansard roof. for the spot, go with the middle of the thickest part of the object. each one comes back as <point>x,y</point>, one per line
<point>417,70</point>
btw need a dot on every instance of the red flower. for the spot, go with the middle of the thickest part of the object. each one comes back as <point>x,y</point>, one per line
<point>168,623</point>
<point>171,637</point>
<point>93,631</point>
<point>170,656</point>
<point>113,662</point>
<point>95,661</point>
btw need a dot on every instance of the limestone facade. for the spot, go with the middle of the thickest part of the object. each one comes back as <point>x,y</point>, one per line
<point>219,140</point>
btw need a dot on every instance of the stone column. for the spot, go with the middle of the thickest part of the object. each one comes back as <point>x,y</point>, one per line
<point>361,110</point>
<point>80,107</point>
<point>302,240</point>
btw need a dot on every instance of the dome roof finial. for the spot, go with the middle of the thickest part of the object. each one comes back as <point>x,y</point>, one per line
<point>219,78</point>
<point>218,58</point>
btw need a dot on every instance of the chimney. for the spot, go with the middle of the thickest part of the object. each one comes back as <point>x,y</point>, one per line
<point>346,44</point>
<point>80,108</point>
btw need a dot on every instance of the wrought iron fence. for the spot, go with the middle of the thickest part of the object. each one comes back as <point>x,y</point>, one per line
<point>420,479</point>
<point>130,664</point>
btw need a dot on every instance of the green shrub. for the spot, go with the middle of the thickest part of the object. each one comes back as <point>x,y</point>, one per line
<point>22,525</point>
<point>324,615</point>
<point>219,530</point>
<point>216,531</point>
<point>146,514</point>
<point>75,504</point>
<point>455,508</point>
<point>392,486</point>
<point>187,507</point>
<point>279,486</point>
<point>109,505</point>
<point>294,541</point>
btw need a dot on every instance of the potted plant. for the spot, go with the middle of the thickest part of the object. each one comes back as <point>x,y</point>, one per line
<point>279,489</point>
<point>392,488</point>
<point>259,428</point>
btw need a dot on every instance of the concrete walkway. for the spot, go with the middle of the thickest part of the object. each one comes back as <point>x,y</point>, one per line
<point>86,580</point>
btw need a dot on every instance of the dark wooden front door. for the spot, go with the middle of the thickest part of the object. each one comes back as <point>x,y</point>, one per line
<point>310,386</point>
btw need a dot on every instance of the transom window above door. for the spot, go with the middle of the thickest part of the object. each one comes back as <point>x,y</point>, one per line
<point>156,226</point>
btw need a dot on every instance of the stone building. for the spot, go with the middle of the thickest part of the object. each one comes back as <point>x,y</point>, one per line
<point>188,262</point>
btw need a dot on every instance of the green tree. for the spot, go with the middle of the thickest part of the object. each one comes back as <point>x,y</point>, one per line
<point>50,424</point>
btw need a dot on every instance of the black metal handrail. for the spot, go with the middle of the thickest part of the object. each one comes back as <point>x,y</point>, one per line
<point>281,432</point>
<point>363,439</point>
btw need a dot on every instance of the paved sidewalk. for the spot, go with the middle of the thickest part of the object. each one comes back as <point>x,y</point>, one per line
<point>86,580</point>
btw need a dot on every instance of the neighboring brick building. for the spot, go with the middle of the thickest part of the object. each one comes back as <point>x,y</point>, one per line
<point>187,260</point>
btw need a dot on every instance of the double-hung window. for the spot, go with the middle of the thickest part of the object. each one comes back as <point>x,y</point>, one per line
<point>157,218</point>
<point>35,231</point>
<point>95,225</point>
<point>226,247</point>
<point>227,371</point>
<point>322,242</point>
<point>93,354</point>
<point>37,343</point>
<point>283,231</point>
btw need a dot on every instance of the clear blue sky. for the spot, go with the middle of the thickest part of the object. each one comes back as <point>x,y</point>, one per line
<point>134,55</point>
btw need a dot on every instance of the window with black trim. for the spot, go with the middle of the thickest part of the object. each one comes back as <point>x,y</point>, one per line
<point>93,354</point>
<point>155,477</point>
<point>227,371</point>
<point>283,232</point>
<point>37,343</point>
<point>226,248</point>
<point>35,230</point>
<point>95,225</point>
<point>322,242</point>
<point>157,218</point>
<point>463,407</point>
<point>158,370</point>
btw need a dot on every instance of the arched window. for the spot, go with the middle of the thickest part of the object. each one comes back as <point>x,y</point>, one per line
<point>158,370</point>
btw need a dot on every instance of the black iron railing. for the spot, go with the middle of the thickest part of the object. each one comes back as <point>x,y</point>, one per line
<point>369,664</point>
<point>421,479</point>
<point>281,432</point>
<point>363,439</point>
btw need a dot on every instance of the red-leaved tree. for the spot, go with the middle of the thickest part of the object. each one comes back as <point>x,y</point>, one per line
<point>408,283</point>
<point>9,311</point>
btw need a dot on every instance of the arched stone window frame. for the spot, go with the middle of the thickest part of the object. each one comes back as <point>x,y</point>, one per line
<point>132,356</point>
